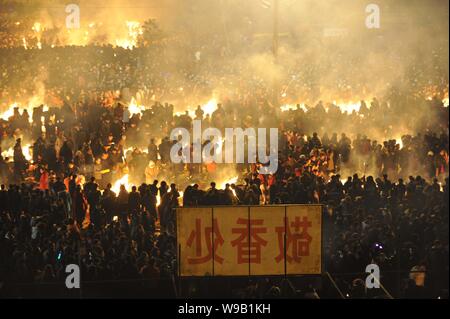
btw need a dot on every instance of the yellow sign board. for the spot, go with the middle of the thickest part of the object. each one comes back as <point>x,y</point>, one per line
<point>249,240</point>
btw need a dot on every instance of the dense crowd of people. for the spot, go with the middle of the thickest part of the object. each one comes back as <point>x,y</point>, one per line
<point>92,139</point>
<point>379,168</point>
<point>58,207</point>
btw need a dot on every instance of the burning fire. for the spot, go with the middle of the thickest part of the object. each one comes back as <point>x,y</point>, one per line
<point>445,101</point>
<point>125,182</point>
<point>127,37</point>
<point>35,101</point>
<point>25,44</point>
<point>122,181</point>
<point>134,108</point>
<point>180,199</point>
<point>37,28</point>
<point>293,107</point>
<point>8,153</point>
<point>9,112</point>
<point>399,141</point>
<point>230,181</point>
<point>348,107</point>
<point>210,106</point>
<point>134,31</point>
<point>25,150</point>
<point>345,107</point>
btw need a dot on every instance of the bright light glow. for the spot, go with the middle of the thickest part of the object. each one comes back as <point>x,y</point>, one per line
<point>8,153</point>
<point>180,199</point>
<point>399,141</point>
<point>191,113</point>
<point>134,108</point>
<point>232,180</point>
<point>25,150</point>
<point>24,42</point>
<point>348,107</point>
<point>33,102</point>
<point>9,112</point>
<point>37,28</point>
<point>158,200</point>
<point>210,106</point>
<point>134,31</point>
<point>345,107</point>
<point>445,101</point>
<point>119,182</point>
<point>293,107</point>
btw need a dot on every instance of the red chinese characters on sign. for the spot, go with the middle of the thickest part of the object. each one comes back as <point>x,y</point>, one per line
<point>253,240</point>
<point>195,238</point>
<point>297,242</point>
<point>249,242</point>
